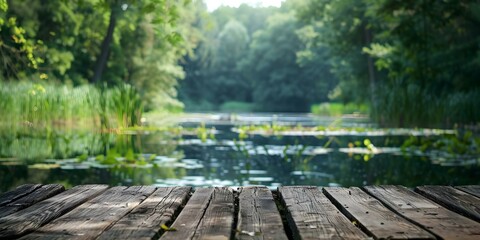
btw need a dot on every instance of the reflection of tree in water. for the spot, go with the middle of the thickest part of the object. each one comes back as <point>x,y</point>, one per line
<point>35,145</point>
<point>12,175</point>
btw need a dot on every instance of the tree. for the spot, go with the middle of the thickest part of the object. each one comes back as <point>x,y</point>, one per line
<point>280,82</point>
<point>344,37</point>
<point>115,41</point>
<point>159,12</point>
<point>213,74</point>
<point>227,81</point>
<point>418,56</point>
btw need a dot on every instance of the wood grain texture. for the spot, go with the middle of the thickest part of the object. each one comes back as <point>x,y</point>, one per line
<point>31,218</point>
<point>207,215</point>
<point>145,220</point>
<point>217,222</point>
<point>438,220</point>
<point>38,195</point>
<point>312,216</point>
<point>372,216</point>
<point>190,217</point>
<point>17,193</point>
<point>472,189</point>
<point>453,199</point>
<point>90,219</point>
<point>258,216</point>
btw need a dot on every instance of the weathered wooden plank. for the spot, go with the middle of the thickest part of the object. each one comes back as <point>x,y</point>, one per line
<point>145,220</point>
<point>453,199</point>
<point>38,195</point>
<point>207,215</point>
<point>438,220</point>
<point>312,216</point>
<point>17,193</point>
<point>472,189</point>
<point>90,219</point>
<point>190,217</point>
<point>33,217</point>
<point>217,222</point>
<point>372,216</point>
<point>258,216</point>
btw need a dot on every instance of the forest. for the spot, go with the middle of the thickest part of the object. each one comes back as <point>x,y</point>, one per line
<point>405,63</point>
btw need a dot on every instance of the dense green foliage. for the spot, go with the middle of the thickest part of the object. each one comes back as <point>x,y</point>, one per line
<point>257,56</point>
<point>107,42</point>
<point>413,63</point>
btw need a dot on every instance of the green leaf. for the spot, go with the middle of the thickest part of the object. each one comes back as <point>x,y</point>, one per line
<point>149,8</point>
<point>165,228</point>
<point>3,5</point>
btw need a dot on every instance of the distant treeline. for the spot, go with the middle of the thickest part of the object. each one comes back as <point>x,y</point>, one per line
<point>255,59</point>
<point>416,63</point>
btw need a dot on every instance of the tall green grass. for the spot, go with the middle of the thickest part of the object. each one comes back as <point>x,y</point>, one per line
<point>338,109</point>
<point>48,105</point>
<point>411,106</point>
<point>127,105</point>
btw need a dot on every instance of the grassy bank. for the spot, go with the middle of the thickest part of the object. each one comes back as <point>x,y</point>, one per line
<point>46,105</point>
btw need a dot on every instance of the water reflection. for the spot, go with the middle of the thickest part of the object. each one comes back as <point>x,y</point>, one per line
<point>165,159</point>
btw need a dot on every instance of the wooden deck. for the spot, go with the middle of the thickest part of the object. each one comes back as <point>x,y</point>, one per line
<point>36,211</point>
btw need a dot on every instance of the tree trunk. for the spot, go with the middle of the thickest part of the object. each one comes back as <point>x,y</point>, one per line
<point>371,70</point>
<point>105,48</point>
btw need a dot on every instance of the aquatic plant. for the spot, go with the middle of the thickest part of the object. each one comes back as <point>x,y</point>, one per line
<point>127,105</point>
<point>458,145</point>
<point>332,130</point>
<point>46,105</point>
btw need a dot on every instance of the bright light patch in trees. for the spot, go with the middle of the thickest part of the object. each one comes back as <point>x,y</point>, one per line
<point>214,4</point>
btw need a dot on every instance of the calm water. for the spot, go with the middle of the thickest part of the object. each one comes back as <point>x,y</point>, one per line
<point>72,158</point>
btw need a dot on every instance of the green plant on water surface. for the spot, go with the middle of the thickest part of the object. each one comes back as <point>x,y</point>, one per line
<point>268,129</point>
<point>128,150</point>
<point>204,133</point>
<point>298,154</point>
<point>278,129</point>
<point>367,144</point>
<point>464,144</point>
<point>241,148</point>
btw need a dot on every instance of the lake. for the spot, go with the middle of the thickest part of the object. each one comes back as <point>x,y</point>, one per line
<point>228,150</point>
